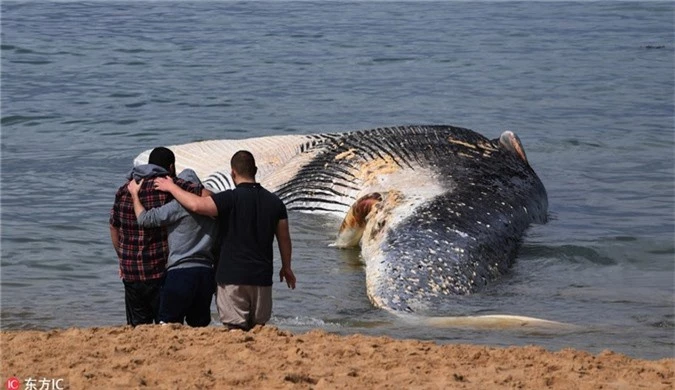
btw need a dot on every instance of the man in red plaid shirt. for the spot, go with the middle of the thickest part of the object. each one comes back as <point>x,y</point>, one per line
<point>143,252</point>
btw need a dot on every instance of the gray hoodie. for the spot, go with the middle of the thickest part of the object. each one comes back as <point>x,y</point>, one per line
<point>192,237</point>
<point>146,171</point>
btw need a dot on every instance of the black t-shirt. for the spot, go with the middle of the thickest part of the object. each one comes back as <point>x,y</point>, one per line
<point>248,215</point>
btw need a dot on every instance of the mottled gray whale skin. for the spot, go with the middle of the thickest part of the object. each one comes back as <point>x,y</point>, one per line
<point>452,243</point>
<point>438,211</point>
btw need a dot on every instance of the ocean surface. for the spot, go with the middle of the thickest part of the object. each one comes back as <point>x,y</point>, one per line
<point>588,87</point>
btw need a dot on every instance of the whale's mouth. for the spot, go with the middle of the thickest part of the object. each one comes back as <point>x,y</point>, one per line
<point>354,223</point>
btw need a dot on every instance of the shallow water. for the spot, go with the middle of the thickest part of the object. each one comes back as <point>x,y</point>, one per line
<point>587,86</point>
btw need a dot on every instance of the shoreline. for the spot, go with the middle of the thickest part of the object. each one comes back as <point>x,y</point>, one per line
<point>175,356</point>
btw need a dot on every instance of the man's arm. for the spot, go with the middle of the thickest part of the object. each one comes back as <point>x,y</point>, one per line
<point>155,217</point>
<point>115,238</point>
<point>285,248</point>
<point>192,202</point>
<point>115,223</point>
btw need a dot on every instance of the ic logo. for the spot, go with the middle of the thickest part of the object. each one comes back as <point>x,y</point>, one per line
<point>13,383</point>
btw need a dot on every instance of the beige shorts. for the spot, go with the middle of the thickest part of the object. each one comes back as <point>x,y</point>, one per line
<point>244,306</point>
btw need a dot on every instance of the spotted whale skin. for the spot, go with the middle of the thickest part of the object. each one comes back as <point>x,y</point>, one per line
<point>437,210</point>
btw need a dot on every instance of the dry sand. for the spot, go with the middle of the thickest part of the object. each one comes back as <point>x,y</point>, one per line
<point>178,357</point>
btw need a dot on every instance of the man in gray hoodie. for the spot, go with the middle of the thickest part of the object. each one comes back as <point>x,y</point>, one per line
<point>189,283</point>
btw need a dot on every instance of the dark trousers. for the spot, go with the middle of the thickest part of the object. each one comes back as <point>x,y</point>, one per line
<point>142,301</point>
<point>186,296</point>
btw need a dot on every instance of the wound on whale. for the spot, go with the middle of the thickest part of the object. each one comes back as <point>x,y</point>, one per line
<point>438,211</point>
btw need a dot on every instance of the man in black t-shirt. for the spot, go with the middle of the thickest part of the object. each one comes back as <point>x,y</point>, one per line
<point>249,217</point>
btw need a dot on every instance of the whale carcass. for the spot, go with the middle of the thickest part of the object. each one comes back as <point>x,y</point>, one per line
<point>438,210</point>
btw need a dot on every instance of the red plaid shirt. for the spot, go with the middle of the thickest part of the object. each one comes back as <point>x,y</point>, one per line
<point>143,251</point>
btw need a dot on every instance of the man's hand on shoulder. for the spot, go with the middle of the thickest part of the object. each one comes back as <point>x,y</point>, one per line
<point>189,200</point>
<point>134,187</point>
<point>165,184</point>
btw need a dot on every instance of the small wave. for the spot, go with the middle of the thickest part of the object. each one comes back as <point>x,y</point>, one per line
<point>24,319</point>
<point>313,36</point>
<point>393,59</point>
<point>148,133</point>
<point>74,121</point>
<point>31,62</point>
<point>300,322</point>
<point>16,119</point>
<point>132,51</point>
<point>662,251</point>
<point>115,133</point>
<point>575,142</point>
<point>124,95</point>
<point>571,253</point>
<point>666,324</point>
<point>126,121</point>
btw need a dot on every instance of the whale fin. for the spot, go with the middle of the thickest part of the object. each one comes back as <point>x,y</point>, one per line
<point>496,321</point>
<point>510,141</point>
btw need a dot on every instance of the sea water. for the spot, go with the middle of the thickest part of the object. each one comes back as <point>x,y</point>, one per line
<point>588,87</point>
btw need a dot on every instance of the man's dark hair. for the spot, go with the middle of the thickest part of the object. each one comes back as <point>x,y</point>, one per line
<point>163,157</point>
<point>244,164</point>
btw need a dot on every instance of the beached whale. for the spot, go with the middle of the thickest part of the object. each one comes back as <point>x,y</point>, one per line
<point>438,211</point>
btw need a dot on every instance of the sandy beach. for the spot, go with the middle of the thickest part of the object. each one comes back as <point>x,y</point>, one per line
<point>179,357</point>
